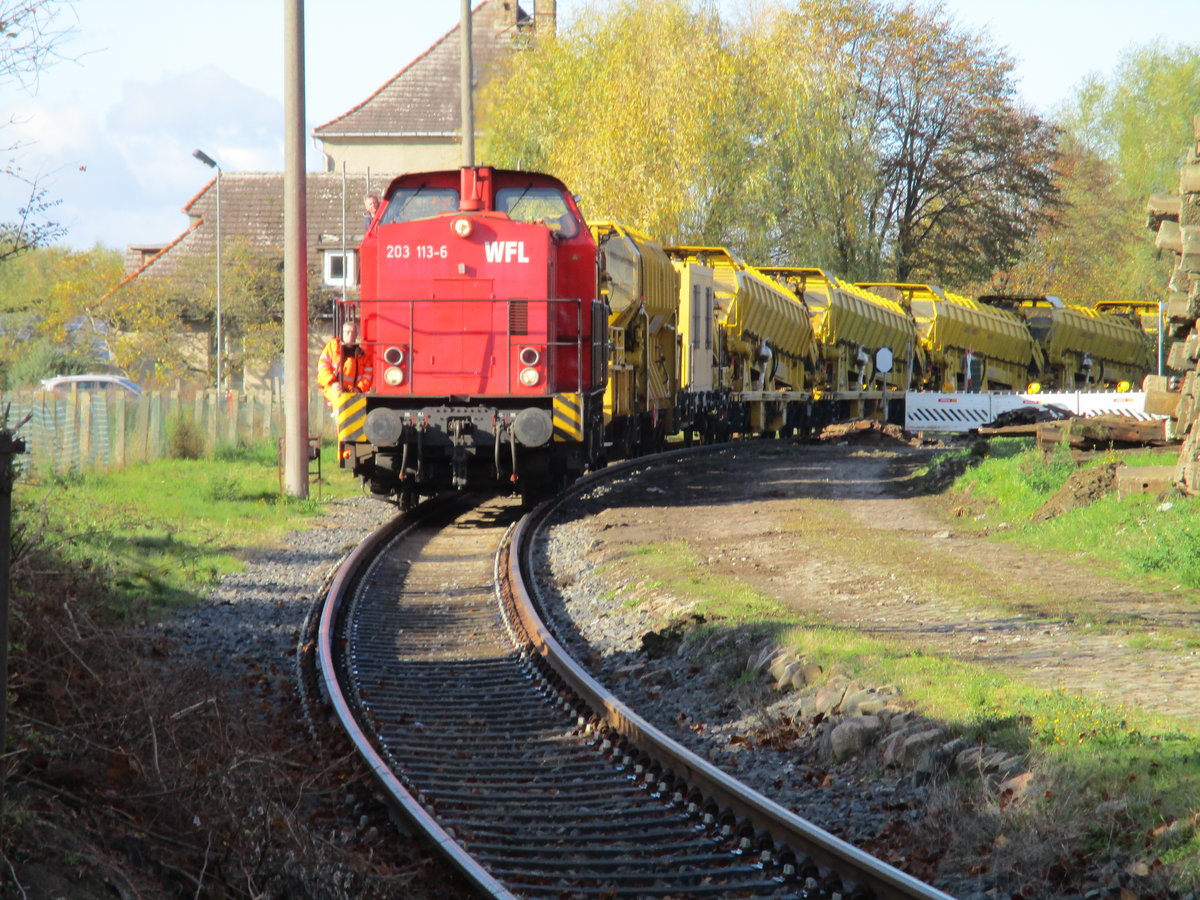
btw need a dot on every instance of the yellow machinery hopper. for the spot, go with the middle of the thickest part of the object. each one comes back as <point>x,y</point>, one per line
<point>1083,348</point>
<point>1144,312</point>
<point>968,346</point>
<point>852,325</point>
<point>766,331</point>
<point>642,289</point>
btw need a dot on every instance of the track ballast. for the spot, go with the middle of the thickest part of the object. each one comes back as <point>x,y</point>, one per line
<point>528,776</point>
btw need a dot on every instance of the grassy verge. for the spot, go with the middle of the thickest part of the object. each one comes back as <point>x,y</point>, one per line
<point>164,531</point>
<point>134,768</point>
<point>1141,536</point>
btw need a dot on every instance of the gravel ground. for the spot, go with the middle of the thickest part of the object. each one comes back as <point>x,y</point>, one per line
<point>256,615</point>
<point>913,795</point>
<point>677,687</point>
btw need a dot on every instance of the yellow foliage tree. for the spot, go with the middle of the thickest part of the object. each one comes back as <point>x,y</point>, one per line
<point>871,138</point>
<point>630,108</point>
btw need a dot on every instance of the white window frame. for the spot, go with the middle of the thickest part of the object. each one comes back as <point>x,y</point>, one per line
<point>349,268</point>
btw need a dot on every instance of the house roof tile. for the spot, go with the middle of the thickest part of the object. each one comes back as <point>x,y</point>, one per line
<point>425,97</point>
<point>252,212</point>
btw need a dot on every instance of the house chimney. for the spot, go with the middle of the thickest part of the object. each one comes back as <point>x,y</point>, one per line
<point>544,17</point>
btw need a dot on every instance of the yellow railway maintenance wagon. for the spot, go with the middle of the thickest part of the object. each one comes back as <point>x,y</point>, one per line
<point>1084,348</point>
<point>768,339</point>
<point>968,346</point>
<point>642,289</point>
<point>764,352</point>
<point>1144,312</point>
<point>866,341</point>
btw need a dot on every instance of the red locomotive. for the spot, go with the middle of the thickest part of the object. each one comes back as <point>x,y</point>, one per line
<point>480,312</point>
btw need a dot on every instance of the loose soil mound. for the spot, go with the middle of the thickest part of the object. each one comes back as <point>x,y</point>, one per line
<point>1082,489</point>
<point>865,431</point>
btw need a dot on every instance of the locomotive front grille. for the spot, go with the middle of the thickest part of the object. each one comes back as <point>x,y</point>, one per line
<point>518,317</point>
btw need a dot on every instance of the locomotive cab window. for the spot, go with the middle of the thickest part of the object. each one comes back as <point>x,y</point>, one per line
<point>544,205</point>
<point>409,204</point>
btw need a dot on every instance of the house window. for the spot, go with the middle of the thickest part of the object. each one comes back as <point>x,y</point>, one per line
<point>341,268</point>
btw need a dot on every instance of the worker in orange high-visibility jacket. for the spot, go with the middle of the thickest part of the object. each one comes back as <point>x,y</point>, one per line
<point>344,367</point>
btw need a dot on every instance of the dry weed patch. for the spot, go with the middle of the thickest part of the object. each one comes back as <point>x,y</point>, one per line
<point>136,772</point>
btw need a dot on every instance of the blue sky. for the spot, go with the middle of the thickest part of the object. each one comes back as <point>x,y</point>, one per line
<point>111,131</point>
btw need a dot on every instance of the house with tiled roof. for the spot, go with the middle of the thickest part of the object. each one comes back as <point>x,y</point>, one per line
<point>414,118</point>
<point>411,123</point>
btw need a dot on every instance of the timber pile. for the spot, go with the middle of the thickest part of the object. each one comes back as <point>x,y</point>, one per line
<point>1101,433</point>
<point>1176,221</point>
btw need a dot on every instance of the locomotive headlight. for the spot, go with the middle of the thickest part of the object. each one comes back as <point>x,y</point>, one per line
<point>530,356</point>
<point>463,227</point>
<point>394,376</point>
<point>393,356</point>
<point>529,377</point>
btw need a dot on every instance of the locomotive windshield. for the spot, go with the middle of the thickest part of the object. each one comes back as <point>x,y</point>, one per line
<point>408,204</point>
<point>543,205</point>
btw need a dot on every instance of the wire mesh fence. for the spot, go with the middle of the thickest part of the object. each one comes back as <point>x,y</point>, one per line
<point>82,431</point>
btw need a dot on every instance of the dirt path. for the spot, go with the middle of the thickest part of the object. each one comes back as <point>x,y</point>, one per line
<point>835,532</point>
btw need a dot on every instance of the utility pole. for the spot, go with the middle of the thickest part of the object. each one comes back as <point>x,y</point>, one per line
<point>10,445</point>
<point>468,100</point>
<point>295,258</point>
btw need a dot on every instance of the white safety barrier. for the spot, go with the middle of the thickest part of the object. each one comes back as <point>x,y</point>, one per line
<point>961,412</point>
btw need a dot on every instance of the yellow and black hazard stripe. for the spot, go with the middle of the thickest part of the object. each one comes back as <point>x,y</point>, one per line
<point>568,417</point>
<point>351,417</point>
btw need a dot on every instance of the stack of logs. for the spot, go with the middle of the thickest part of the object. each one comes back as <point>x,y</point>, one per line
<point>1176,219</point>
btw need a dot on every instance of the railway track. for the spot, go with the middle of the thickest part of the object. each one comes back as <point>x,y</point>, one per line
<point>528,775</point>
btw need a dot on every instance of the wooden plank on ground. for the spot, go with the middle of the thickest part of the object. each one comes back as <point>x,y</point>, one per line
<point>1101,431</point>
<point>1029,430</point>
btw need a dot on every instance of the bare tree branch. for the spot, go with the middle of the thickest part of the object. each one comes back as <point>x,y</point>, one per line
<point>31,228</point>
<point>31,34</point>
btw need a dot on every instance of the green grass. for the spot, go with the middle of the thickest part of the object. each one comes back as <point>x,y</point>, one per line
<point>165,531</point>
<point>675,568</point>
<point>1139,535</point>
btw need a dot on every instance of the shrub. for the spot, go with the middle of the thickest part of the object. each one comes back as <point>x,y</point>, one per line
<point>223,487</point>
<point>185,441</point>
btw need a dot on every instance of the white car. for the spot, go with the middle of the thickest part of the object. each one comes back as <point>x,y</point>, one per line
<point>67,383</point>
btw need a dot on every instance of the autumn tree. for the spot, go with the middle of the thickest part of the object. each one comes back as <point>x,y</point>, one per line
<point>613,107</point>
<point>801,164</point>
<point>1127,135</point>
<point>163,326</point>
<point>1081,253</point>
<point>871,138</point>
<point>45,325</point>
<point>963,174</point>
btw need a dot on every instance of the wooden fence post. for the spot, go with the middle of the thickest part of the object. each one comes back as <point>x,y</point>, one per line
<point>118,431</point>
<point>84,453</point>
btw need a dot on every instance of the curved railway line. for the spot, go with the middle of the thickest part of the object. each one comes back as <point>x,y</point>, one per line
<point>528,775</point>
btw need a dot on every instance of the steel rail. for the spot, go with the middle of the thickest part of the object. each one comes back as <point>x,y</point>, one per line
<point>766,816</point>
<point>340,589</point>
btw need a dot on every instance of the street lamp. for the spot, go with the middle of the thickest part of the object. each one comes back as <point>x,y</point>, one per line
<point>212,164</point>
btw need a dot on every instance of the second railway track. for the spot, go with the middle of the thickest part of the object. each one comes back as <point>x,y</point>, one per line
<point>528,776</point>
